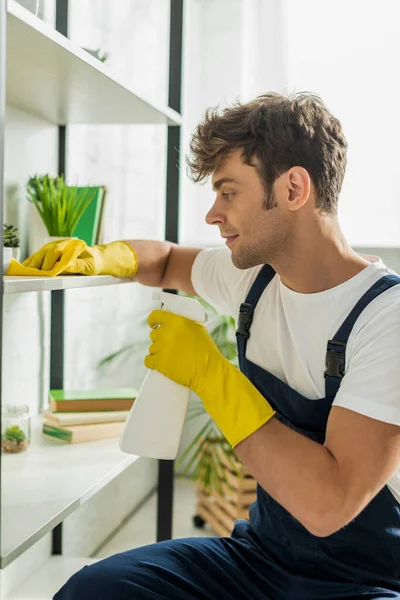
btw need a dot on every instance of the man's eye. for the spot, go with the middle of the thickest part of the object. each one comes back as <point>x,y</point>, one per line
<point>227,195</point>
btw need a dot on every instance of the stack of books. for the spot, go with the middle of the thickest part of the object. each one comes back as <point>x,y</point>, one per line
<point>85,415</point>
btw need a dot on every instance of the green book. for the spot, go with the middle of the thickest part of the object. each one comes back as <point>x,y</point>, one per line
<point>83,433</point>
<point>92,400</point>
<point>57,432</point>
<point>100,394</point>
<point>89,225</point>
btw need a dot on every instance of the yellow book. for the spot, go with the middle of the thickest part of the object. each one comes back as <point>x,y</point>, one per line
<point>67,419</point>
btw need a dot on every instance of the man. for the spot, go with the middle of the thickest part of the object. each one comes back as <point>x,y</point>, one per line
<point>314,412</point>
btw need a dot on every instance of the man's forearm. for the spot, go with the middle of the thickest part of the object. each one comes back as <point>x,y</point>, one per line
<point>164,264</point>
<point>153,259</point>
<point>300,474</point>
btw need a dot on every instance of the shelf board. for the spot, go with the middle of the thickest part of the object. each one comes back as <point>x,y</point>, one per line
<point>22,285</point>
<point>51,77</point>
<point>44,584</point>
<point>48,482</point>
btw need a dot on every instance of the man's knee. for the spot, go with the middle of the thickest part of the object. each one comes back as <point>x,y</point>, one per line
<point>77,586</point>
<point>101,581</point>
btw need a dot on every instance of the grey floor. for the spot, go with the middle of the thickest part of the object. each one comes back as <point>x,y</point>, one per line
<point>141,528</point>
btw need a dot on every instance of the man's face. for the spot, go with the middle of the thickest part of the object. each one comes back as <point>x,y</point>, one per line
<point>254,235</point>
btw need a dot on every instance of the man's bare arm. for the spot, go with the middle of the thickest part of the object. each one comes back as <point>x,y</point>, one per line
<point>324,487</point>
<point>165,265</point>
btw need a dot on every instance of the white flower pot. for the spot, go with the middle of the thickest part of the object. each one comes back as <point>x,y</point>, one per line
<point>16,253</point>
<point>38,235</point>
<point>7,256</point>
<point>40,240</point>
<point>37,230</point>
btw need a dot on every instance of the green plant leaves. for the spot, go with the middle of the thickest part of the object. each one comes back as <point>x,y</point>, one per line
<point>60,206</point>
<point>14,434</point>
<point>10,236</point>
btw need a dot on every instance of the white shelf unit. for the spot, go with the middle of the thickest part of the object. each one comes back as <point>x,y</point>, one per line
<point>21,285</point>
<point>51,77</point>
<point>45,484</point>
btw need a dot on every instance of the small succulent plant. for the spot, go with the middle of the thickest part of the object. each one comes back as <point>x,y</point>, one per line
<point>14,440</point>
<point>10,236</point>
<point>14,434</point>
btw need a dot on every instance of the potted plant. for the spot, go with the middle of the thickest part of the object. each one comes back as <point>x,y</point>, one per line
<point>60,206</point>
<point>14,440</point>
<point>10,245</point>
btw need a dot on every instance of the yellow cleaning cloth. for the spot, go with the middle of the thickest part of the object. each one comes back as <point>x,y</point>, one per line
<point>74,257</point>
<point>49,261</point>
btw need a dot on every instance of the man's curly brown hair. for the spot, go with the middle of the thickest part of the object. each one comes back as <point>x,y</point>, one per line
<point>281,132</point>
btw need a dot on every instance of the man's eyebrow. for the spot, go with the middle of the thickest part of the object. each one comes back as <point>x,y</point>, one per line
<point>219,182</point>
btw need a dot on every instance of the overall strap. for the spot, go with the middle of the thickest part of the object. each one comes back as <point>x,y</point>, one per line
<point>336,349</point>
<point>247,308</point>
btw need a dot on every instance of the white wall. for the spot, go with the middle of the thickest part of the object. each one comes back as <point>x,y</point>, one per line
<point>211,77</point>
<point>348,53</point>
<point>345,51</point>
<point>30,147</point>
<point>233,50</point>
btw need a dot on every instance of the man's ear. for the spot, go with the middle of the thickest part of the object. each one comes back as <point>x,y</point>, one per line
<point>298,184</point>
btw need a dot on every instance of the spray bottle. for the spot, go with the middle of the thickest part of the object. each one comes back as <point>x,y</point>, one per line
<point>154,425</point>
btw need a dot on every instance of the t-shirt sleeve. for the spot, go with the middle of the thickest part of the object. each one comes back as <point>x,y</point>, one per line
<point>371,384</point>
<point>219,282</point>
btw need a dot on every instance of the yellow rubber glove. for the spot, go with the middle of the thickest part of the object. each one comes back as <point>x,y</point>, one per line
<point>185,352</point>
<point>51,260</point>
<point>116,258</point>
<point>74,257</point>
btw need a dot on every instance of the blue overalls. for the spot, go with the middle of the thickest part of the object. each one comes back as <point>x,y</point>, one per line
<point>273,557</point>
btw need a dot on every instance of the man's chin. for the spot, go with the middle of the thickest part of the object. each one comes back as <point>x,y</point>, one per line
<point>245,262</point>
<point>238,261</point>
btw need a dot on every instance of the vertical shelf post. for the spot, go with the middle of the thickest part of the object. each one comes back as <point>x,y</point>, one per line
<point>3,27</point>
<point>57,314</point>
<point>166,467</point>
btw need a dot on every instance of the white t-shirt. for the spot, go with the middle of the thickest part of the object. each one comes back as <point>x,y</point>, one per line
<point>290,331</point>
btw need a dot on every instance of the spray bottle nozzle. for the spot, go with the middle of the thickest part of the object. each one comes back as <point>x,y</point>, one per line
<point>181,305</point>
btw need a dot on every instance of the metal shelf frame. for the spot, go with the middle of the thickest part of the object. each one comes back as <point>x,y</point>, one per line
<point>3,28</point>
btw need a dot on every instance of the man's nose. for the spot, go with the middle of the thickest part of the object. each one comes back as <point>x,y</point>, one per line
<point>214,216</point>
